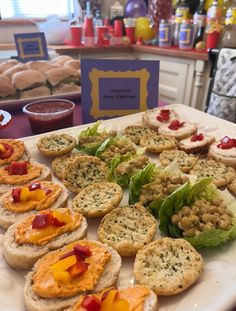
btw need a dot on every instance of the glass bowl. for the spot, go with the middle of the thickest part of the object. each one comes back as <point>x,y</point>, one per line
<point>49,114</point>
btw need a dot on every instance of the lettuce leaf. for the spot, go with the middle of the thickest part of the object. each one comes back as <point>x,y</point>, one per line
<point>122,180</point>
<point>91,131</point>
<point>187,195</point>
<point>107,142</point>
<point>139,179</point>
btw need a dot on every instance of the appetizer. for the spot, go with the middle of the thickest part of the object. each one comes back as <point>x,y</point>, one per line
<point>158,116</point>
<point>196,144</point>
<point>56,144</point>
<point>158,143</point>
<point>84,171</point>
<point>132,298</point>
<point>60,277</point>
<point>168,266</point>
<point>127,229</point>
<point>184,161</point>
<point>221,173</point>
<point>26,200</point>
<point>97,199</point>
<point>12,150</point>
<point>19,173</point>
<point>178,129</point>
<point>34,236</point>
<point>200,213</point>
<point>135,132</point>
<point>224,151</point>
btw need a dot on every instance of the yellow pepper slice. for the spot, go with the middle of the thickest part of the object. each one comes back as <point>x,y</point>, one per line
<point>108,301</point>
<point>120,304</point>
<point>37,195</point>
<point>63,217</point>
<point>25,194</point>
<point>61,276</point>
<point>2,148</point>
<point>64,263</point>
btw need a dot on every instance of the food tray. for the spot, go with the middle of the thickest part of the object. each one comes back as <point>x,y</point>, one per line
<point>19,103</point>
<point>214,291</point>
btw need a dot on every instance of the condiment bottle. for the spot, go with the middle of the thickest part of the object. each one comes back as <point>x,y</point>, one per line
<point>200,22</point>
<point>186,35</point>
<point>181,13</point>
<point>165,33</point>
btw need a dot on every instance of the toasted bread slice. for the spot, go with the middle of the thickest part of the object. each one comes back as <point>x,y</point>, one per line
<point>158,143</point>
<point>154,118</point>
<point>135,132</point>
<point>23,256</point>
<point>226,156</point>
<point>127,229</point>
<point>194,146</point>
<point>56,144</point>
<point>97,199</point>
<point>168,266</point>
<point>107,279</point>
<point>8,218</point>
<point>185,130</point>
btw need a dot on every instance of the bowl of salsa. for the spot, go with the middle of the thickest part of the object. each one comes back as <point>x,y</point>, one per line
<point>49,114</point>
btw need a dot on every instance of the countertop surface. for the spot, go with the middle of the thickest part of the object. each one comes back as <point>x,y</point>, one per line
<point>172,51</point>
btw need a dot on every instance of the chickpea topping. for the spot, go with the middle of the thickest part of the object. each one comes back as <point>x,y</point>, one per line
<point>202,216</point>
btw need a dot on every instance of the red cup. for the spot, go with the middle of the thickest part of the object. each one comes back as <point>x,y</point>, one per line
<point>101,32</point>
<point>212,40</point>
<point>118,28</point>
<point>130,34</point>
<point>76,34</point>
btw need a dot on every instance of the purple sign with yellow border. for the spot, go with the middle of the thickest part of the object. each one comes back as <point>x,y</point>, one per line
<point>114,88</point>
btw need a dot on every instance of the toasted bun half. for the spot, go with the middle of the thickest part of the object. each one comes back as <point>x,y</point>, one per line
<point>57,75</point>
<point>8,218</point>
<point>107,279</point>
<point>23,256</point>
<point>6,87</point>
<point>8,64</point>
<point>226,156</point>
<point>17,68</point>
<point>40,65</point>
<point>67,88</point>
<point>27,78</point>
<point>184,131</point>
<point>45,175</point>
<point>150,301</point>
<point>35,92</point>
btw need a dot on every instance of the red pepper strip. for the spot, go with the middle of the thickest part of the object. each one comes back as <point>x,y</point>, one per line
<point>6,154</point>
<point>17,168</point>
<point>16,194</point>
<point>91,303</point>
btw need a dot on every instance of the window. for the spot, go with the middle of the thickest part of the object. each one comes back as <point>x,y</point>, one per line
<point>36,8</point>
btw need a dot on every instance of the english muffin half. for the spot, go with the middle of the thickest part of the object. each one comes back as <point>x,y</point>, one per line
<point>127,229</point>
<point>168,266</point>
<point>157,143</point>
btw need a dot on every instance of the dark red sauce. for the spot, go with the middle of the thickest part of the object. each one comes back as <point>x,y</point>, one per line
<point>58,117</point>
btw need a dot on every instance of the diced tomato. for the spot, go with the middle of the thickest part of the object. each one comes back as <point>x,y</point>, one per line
<point>159,118</point>
<point>9,151</point>
<point>40,221</point>
<point>164,115</point>
<point>17,168</point>
<point>165,111</point>
<point>34,186</point>
<point>82,251</point>
<point>91,303</point>
<point>227,143</point>
<point>78,268</point>
<point>16,194</point>
<point>197,137</point>
<point>175,125</point>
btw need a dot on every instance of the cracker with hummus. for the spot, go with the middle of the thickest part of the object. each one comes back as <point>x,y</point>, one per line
<point>12,150</point>
<point>56,144</point>
<point>127,229</point>
<point>84,171</point>
<point>24,201</point>
<point>60,277</point>
<point>34,236</point>
<point>19,173</point>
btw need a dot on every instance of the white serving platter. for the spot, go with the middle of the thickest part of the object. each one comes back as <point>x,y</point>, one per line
<point>216,288</point>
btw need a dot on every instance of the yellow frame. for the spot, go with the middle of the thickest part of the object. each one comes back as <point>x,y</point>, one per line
<point>94,77</point>
<point>40,44</point>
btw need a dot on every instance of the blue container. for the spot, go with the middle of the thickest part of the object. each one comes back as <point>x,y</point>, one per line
<point>186,35</point>
<point>165,33</point>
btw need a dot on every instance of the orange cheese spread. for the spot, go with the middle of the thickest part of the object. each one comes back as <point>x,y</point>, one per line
<point>135,296</point>
<point>44,284</point>
<point>20,207</point>
<point>24,232</point>
<point>34,172</point>
<point>18,150</point>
